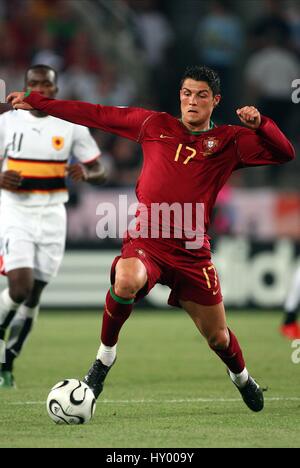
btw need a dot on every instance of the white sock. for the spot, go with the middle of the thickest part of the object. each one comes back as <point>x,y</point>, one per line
<point>17,324</point>
<point>239,379</point>
<point>25,312</point>
<point>107,354</point>
<point>6,305</point>
<point>19,334</point>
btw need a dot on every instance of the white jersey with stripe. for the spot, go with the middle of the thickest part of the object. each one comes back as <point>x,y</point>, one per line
<point>39,148</point>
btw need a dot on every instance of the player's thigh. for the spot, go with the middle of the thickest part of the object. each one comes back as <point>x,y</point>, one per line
<point>17,238</point>
<point>51,246</point>
<point>18,253</point>
<point>210,320</point>
<point>130,272</point>
<point>20,275</point>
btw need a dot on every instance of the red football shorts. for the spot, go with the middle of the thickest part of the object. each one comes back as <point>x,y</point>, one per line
<point>190,275</point>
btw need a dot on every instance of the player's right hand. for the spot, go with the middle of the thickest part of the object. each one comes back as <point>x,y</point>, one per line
<point>10,180</point>
<point>16,99</point>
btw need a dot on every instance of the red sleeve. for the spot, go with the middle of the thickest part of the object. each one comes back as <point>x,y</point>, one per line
<point>265,146</point>
<point>127,122</point>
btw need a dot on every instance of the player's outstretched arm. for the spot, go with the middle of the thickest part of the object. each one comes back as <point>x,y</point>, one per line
<point>123,121</point>
<point>266,145</point>
<point>81,113</point>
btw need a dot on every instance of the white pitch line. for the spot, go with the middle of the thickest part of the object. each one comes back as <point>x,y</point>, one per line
<point>188,400</point>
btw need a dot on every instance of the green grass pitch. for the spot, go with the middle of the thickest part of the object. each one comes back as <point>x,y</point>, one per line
<point>167,388</point>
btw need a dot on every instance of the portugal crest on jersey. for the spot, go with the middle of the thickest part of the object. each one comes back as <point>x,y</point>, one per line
<point>58,142</point>
<point>209,145</point>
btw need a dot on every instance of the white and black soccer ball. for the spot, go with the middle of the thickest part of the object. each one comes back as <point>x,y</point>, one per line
<point>71,402</point>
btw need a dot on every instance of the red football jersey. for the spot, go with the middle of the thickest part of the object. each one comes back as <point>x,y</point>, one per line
<point>179,166</point>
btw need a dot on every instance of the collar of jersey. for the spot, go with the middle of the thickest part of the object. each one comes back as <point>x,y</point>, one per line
<point>27,116</point>
<point>211,126</point>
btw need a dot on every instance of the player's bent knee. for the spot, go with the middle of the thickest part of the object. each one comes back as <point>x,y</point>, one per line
<point>20,291</point>
<point>127,285</point>
<point>219,340</point>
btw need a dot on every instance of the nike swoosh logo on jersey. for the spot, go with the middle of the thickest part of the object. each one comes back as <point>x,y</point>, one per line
<point>165,136</point>
<point>216,292</point>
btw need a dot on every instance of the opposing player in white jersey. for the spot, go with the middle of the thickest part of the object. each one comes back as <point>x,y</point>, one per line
<point>35,150</point>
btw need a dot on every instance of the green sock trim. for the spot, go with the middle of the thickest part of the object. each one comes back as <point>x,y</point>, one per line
<point>28,92</point>
<point>119,299</point>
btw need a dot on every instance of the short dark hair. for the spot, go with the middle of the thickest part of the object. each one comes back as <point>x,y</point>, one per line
<point>203,73</point>
<point>41,67</point>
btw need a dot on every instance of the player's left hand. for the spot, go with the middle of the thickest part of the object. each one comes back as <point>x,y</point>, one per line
<point>249,116</point>
<point>77,172</point>
<point>16,99</point>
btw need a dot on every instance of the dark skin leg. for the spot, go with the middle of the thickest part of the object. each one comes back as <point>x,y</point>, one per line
<point>34,298</point>
<point>24,288</point>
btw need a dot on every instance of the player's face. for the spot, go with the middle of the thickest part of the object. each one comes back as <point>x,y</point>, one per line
<point>42,81</point>
<point>197,102</point>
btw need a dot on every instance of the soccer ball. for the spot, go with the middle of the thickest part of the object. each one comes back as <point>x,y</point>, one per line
<point>71,402</point>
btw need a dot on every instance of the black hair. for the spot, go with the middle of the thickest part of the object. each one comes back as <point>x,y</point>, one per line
<point>203,73</point>
<point>41,67</point>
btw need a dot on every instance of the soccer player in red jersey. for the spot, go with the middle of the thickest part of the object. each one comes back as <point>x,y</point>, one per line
<point>186,162</point>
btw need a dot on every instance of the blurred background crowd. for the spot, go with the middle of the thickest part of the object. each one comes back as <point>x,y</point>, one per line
<point>133,52</point>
